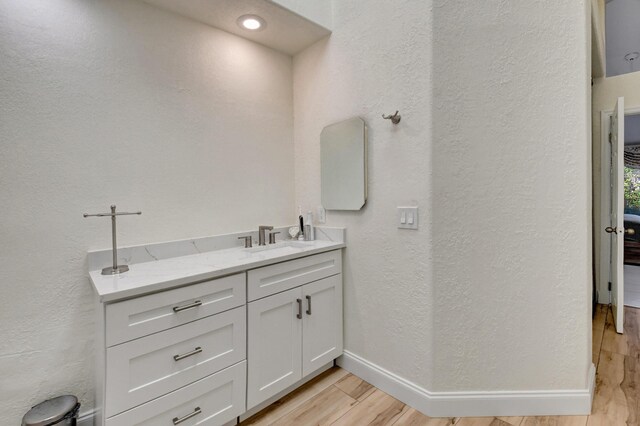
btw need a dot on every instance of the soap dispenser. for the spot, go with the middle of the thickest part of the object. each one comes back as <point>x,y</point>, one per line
<point>309,231</point>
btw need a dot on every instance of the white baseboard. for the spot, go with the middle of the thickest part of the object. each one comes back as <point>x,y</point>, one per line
<point>86,419</point>
<point>474,404</point>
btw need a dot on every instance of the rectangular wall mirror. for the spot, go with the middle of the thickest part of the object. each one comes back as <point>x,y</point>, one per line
<point>343,156</point>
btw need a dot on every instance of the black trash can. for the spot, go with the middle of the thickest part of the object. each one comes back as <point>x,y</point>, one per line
<point>59,411</point>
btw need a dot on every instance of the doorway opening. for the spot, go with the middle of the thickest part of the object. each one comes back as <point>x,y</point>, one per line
<point>632,210</point>
<point>612,209</point>
<point>620,208</point>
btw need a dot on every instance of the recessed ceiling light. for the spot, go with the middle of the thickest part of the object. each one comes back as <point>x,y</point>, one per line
<point>251,22</point>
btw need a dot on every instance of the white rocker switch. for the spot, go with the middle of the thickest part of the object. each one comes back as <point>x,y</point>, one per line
<point>408,217</point>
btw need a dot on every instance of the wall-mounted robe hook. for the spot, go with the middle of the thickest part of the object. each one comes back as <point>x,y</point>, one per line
<point>395,118</point>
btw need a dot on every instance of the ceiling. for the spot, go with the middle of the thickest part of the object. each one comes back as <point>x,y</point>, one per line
<point>285,31</point>
<point>622,28</point>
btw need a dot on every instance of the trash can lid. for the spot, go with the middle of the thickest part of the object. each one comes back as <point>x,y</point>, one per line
<point>49,411</point>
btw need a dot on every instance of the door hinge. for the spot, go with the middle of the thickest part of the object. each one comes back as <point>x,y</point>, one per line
<point>609,287</point>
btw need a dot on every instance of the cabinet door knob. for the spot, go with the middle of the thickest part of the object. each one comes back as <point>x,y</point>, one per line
<point>299,315</point>
<point>308,305</point>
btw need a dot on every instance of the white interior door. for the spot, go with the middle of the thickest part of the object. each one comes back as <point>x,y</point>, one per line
<point>616,228</point>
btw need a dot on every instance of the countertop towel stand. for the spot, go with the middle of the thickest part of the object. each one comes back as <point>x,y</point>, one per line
<point>115,269</point>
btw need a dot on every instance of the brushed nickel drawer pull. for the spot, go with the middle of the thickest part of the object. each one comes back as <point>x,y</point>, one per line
<point>189,306</point>
<point>308,305</point>
<point>188,354</point>
<point>299,314</point>
<point>177,421</point>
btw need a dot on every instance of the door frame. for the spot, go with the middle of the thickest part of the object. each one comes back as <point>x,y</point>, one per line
<point>605,198</point>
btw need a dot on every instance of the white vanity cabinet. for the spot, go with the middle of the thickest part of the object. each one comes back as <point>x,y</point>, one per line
<point>174,357</point>
<point>294,332</point>
<point>210,351</point>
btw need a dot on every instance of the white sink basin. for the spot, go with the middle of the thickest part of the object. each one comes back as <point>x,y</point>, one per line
<point>279,245</point>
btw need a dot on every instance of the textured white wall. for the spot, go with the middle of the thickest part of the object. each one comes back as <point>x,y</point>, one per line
<point>493,291</point>
<point>512,195</point>
<point>376,62</point>
<point>605,93</point>
<point>118,102</point>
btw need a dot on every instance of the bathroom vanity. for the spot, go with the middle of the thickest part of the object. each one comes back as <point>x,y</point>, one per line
<point>209,337</point>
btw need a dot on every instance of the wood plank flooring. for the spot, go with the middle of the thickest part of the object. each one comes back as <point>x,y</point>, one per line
<point>339,398</point>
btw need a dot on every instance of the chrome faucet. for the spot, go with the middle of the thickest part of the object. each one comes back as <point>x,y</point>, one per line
<point>261,235</point>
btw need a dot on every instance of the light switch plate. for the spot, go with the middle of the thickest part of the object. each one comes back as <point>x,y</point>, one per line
<point>408,217</point>
<point>321,215</point>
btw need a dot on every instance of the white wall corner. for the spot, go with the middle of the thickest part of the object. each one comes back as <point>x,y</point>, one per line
<point>318,12</point>
<point>473,404</point>
<point>598,63</point>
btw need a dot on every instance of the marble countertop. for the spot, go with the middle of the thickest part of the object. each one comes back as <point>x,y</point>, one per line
<point>148,277</point>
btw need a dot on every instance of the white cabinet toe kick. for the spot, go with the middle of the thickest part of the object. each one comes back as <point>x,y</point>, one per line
<point>208,352</point>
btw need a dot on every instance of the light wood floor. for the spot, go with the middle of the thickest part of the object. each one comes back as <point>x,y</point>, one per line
<point>337,397</point>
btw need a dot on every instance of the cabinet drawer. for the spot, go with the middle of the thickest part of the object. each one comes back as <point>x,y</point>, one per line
<point>219,398</point>
<point>149,367</point>
<point>273,279</point>
<point>146,315</point>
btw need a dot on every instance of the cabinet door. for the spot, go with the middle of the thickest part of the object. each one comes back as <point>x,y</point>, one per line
<point>274,345</point>
<point>322,324</point>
